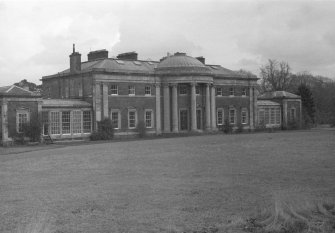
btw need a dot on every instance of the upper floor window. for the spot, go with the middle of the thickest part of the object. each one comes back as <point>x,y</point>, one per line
<point>114,89</point>
<point>147,90</point>
<point>244,92</point>
<point>197,90</point>
<point>219,91</point>
<point>131,90</point>
<point>231,91</point>
<point>182,90</point>
<point>22,118</point>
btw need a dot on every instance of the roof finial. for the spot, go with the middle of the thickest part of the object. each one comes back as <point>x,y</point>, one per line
<point>74,48</point>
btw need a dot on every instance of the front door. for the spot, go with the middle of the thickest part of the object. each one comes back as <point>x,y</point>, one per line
<point>183,119</point>
<point>199,118</point>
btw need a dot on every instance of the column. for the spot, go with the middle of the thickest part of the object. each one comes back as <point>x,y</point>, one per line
<point>285,113</point>
<point>251,107</point>
<point>208,108</point>
<point>166,96</point>
<point>213,108</point>
<point>174,109</point>
<point>105,100</point>
<point>158,109</point>
<point>4,121</point>
<point>97,102</point>
<point>255,93</point>
<point>193,108</point>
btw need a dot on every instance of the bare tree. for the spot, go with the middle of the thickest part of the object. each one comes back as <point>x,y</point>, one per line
<point>275,76</point>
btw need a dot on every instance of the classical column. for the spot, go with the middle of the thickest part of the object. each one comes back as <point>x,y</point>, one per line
<point>158,109</point>
<point>208,108</point>
<point>105,99</point>
<point>213,108</point>
<point>251,107</point>
<point>4,121</point>
<point>193,108</point>
<point>97,102</point>
<point>166,93</point>
<point>174,109</point>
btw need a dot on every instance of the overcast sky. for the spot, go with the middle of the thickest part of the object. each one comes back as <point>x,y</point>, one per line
<point>36,37</point>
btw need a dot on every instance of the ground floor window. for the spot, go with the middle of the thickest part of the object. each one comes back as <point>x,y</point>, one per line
<point>148,118</point>
<point>115,118</point>
<point>269,116</point>
<point>54,122</point>
<point>22,118</point>
<point>132,119</point>
<point>292,114</point>
<point>232,116</point>
<point>76,121</point>
<point>87,121</point>
<point>66,123</point>
<point>244,116</point>
<point>219,116</point>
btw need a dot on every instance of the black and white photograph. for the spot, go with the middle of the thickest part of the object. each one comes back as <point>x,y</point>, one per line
<point>145,116</point>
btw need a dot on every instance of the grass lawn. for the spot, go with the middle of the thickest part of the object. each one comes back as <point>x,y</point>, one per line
<point>188,184</point>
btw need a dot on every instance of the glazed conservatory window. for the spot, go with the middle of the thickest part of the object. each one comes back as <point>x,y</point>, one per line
<point>87,122</point>
<point>76,122</point>
<point>54,122</point>
<point>66,129</point>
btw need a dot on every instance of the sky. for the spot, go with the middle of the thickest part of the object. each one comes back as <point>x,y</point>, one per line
<point>36,36</point>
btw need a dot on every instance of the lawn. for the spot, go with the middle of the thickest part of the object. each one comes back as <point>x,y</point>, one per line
<point>188,184</point>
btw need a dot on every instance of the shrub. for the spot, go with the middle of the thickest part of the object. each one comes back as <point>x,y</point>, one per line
<point>239,128</point>
<point>32,130</point>
<point>292,125</point>
<point>105,131</point>
<point>227,127</point>
<point>141,129</point>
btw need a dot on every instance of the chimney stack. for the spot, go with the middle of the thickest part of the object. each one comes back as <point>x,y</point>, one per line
<point>201,59</point>
<point>75,61</point>
<point>98,54</point>
<point>131,56</point>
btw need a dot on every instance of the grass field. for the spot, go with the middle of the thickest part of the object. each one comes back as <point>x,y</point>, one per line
<point>188,184</point>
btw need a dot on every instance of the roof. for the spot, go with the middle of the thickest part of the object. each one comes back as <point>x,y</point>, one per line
<point>266,102</point>
<point>65,103</point>
<point>278,95</point>
<point>17,91</point>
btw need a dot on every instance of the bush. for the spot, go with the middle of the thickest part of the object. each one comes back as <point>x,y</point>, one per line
<point>141,129</point>
<point>292,125</point>
<point>105,131</point>
<point>32,130</point>
<point>239,128</point>
<point>227,127</point>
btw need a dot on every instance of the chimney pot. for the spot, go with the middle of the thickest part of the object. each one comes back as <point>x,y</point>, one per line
<point>131,56</point>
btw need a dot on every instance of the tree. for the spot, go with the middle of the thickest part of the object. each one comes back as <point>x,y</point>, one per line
<point>30,86</point>
<point>307,101</point>
<point>275,76</point>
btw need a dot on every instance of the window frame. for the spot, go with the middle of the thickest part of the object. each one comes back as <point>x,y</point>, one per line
<point>231,91</point>
<point>151,118</point>
<point>85,120</point>
<point>22,112</point>
<point>131,90</point>
<point>119,117</point>
<point>244,92</point>
<point>219,91</point>
<point>55,124</point>
<point>69,122</point>
<point>113,89</point>
<point>76,123</point>
<point>197,89</point>
<point>294,118</point>
<point>182,87</point>
<point>135,118</point>
<point>244,110</point>
<point>217,116</point>
<point>147,88</point>
<point>229,115</point>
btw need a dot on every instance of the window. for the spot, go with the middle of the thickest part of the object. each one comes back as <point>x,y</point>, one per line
<point>148,118</point>
<point>197,90</point>
<point>272,116</point>
<point>87,122</point>
<point>219,91</point>
<point>244,92</point>
<point>76,122</point>
<point>66,123</point>
<point>244,116</point>
<point>115,117</point>
<point>22,118</point>
<point>278,116</point>
<point>45,120</point>
<point>261,117</point>
<point>131,119</point>
<point>219,116</point>
<point>231,91</point>
<point>131,90</point>
<point>232,116</point>
<point>147,90</point>
<point>292,114</point>
<point>266,115</point>
<point>114,90</point>
<point>54,122</point>
<point>182,90</point>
